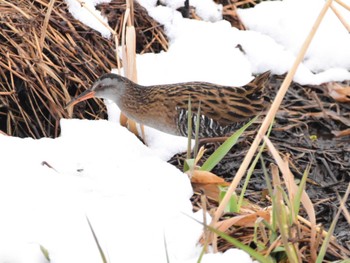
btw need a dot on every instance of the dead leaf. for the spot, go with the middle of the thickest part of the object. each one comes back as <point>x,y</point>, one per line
<point>338,92</point>
<point>331,114</point>
<point>211,191</point>
<point>205,177</point>
<point>207,183</point>
<point>341,133</point>
<point>247,220</point>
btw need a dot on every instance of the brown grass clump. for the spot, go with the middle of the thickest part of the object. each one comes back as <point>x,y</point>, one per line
<point>46,56</point>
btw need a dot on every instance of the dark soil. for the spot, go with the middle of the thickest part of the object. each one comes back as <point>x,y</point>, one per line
<point>304,127</point>
<point>303,130</point>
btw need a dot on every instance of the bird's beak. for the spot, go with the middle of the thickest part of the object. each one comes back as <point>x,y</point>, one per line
<point>87,94</point>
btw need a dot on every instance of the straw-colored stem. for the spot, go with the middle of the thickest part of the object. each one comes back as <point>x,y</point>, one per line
<point>83,4</point>
<point>18,9</point>
<point>45,25</point>
<point>343,4</point>
<point>129,55</point>
<point>113,32</point>
<point>340,17</point>
<point>270,116</point>
<point>6,93</point>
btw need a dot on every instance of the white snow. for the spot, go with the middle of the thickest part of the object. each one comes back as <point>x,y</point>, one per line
<point>136,202</point>
<point>83,14</point>
<point>291,22</point>
<point>205,9</point>
<point>102,172</point>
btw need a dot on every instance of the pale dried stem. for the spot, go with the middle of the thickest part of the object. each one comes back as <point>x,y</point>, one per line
<point>129,57</point>
<point>18,9</point>
<point>269,118</point>
<point>129,54</point>
<point>343,207</point>
<point>45,25</point>
<point>91,11</point>
<point>292,188</point>
<point>6,93</point>
<point>340,17</point>
<point>343,4</point>
<point>205,229</point>
<point>111,30</point>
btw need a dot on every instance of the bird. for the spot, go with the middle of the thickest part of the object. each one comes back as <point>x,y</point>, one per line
<point>222,109</point>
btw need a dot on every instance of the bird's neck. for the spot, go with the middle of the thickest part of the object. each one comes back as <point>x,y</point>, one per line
<point>136,101</point>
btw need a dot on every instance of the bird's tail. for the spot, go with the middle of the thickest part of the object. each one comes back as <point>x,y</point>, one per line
<point>261,80</point>
<point>257,85</point>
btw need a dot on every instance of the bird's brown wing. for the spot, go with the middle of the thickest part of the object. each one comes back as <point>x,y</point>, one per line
<point>225,105</point>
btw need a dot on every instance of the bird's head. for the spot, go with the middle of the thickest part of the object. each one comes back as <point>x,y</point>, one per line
<point>108,86</point>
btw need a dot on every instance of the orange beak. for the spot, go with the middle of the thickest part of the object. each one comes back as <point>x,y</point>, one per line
<point>87,94</point>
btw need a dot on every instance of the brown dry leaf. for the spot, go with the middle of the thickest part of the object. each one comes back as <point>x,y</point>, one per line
<point>207,183</point>
<point>200,154</point>
<point>211,191</point>
<point>341,133</point>
<point>338,92</point>
<point>247,220</point>
<point>329,113</point>
<point>205,177</point>
<point>292,189</point>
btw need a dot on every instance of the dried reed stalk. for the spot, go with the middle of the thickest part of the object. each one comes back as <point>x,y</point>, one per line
<point>267,121</point>
<point>340,17</point>
<point>129,56</point>
<point>46,57</point>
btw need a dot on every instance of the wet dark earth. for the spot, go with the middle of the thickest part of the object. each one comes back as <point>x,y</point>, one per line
<point>305,130</point>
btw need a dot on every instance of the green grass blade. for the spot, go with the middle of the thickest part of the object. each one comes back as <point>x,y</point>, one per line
<point>166,249</point>
<point>220,152</point>
<point>45,253</point>
<point>199,260</point>
<point>102,254</point>
<point>254,254</point>
<point>273,229</point>
<point>232,206</point>
<point>251,169</point>
<point>297,199</point>
<point>284,223</point>
<point>327,239</point>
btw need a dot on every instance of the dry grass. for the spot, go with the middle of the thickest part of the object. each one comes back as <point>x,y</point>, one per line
<point>46,57</point>
<point>269,118</point>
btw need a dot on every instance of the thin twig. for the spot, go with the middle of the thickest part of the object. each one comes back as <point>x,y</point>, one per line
<point>340,17</point>
<point>268,119</point>
<point>343,4</point>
